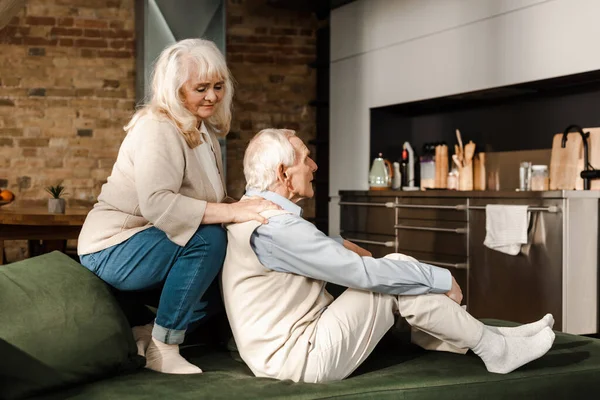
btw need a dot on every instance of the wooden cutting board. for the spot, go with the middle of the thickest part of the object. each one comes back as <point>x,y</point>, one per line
<point>566,164</point>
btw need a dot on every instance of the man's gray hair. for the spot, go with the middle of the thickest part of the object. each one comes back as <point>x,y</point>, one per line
<point>267,150</point>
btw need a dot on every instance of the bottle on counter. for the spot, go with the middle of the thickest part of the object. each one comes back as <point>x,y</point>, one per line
<point>539,177</point>
<point>452,183</point>
<point>427,166</point>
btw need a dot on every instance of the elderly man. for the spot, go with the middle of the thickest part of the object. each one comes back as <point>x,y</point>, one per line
<point>287,326</point>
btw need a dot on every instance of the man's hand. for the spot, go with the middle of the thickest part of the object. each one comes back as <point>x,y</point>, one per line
<point>357,249</point>
<point>455,293</point>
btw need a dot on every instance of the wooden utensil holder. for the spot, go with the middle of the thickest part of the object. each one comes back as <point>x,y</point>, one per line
<point>465,177</point>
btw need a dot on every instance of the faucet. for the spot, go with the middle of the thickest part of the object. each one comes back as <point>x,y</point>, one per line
<point>585,175</point>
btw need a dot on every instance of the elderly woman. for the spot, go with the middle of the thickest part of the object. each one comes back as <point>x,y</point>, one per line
<point>157,220</point>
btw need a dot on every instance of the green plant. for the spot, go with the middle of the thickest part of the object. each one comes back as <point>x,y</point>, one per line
<point>56,191</point>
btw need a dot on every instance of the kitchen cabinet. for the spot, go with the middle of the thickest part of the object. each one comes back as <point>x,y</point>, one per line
<point>556,272</point>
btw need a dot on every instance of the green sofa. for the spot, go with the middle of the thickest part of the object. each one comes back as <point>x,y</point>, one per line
<point>396,370</point>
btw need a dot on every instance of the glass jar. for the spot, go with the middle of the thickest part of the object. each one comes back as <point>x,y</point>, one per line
<point>539,177</point>
<point>452,183</point>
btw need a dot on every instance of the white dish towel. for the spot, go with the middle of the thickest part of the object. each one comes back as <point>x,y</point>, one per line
<point>506,228</point>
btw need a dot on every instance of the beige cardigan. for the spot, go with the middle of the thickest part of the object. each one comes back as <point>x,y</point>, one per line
<point>158,181</point>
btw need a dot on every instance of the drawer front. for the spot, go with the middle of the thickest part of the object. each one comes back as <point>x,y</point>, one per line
<point>432,209</point>
<point>367,215</point>
<point>378,245</point>
<point>434,237</point>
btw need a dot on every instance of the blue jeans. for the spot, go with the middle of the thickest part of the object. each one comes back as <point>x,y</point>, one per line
<point>149,260</point>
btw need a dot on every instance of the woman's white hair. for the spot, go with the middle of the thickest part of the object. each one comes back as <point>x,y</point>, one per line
<point>267,150</point>
<point>172,69</point>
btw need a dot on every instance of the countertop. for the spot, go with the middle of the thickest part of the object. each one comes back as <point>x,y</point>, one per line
<point>506,194</point>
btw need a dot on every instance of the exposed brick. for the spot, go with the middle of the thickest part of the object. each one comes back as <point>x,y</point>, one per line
<point>7,103</point>
<point>61,31</point>
<point>29,152</point>
<point>259,59</point>
<point>91,23</point>
<point>117,25</point>
<point>84,92</point>
<point>111,83</point>
<point>276,78</point>
<point>60,92</point>
<point>34,20</point>
<point>96,43</point>
<point>110,93</point>
<point>6,142</point>
<point>6,132</point>
<point>37,51</point>
<point>88,53</point>
<point>37,142</point>
<point>261,30</point>
<point>120,34</point>
<point>36,92</point>
<point>95,33</point>
<point>115,54</point>
<point>39,41</point>
<point>66,42</point>
<point>85,132</point>
<point>283,31</point>
<point>67,21</point>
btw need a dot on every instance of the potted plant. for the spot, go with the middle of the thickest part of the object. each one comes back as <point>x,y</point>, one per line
<point>56,204</point>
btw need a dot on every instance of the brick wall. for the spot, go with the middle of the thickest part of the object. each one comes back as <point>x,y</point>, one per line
<point>67,88</point>
<point>268,52</point>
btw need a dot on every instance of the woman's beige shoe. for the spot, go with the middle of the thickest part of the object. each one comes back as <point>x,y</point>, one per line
<point>143,336</point>
<point>162,357</point>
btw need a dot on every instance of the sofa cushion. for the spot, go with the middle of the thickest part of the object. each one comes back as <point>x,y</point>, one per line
<point>59,325</point>
<point>395,370</point>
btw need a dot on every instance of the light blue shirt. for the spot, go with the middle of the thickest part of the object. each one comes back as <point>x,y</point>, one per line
<point>289,243</point>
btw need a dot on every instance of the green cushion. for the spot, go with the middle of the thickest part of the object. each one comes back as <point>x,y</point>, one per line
<point>59,325</point>
<point>569,371</point>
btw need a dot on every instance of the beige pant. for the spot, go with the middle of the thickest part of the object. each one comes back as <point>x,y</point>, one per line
<point>350,328</point>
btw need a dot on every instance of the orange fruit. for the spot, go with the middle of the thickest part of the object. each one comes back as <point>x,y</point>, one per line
<point>7,195</point>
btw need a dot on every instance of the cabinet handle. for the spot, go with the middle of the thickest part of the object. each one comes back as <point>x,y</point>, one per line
<point>458,207</point>
<point>449,265</point>
<point>461,231</point>
<point>389,204</point>
<point>386,244</point>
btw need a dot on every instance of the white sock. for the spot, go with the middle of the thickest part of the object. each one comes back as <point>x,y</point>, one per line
<point>143,336</point>
<point>524,330</point>
<point>165,358</point>
<point>503,354</point>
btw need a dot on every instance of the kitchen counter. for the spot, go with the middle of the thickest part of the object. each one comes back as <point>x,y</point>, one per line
<point>557,271</point>
<point>505,194</point>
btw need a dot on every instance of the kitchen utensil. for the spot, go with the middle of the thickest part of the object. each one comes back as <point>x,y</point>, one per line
<point>457,161</point>
<point>479,172</point>
<point>380,175</point>
<point>566,164</point>
<point>469,152</point>
<point>461,153</point>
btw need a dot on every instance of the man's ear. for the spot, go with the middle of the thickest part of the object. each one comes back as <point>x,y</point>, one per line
<point>281,175</point>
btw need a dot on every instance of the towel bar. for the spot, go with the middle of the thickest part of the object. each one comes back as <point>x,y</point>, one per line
<point>550,209</point>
